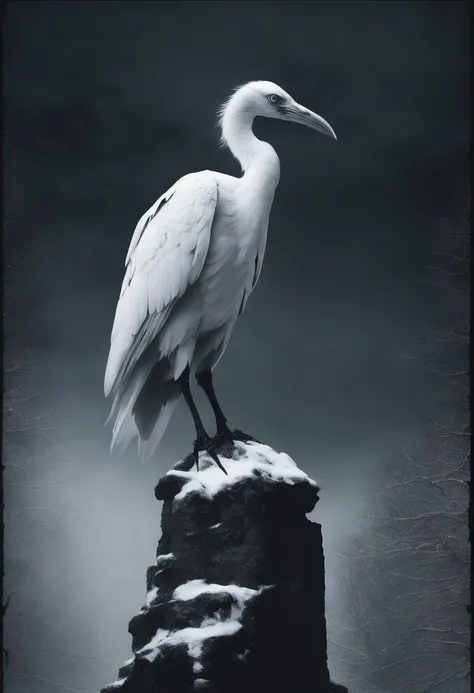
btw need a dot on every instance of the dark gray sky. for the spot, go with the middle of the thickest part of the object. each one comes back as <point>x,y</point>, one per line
<point>106,105</point>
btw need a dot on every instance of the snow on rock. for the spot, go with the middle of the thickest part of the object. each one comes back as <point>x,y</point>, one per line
<point>248,460</point>
<point>193,588</point>
<point>192,637</point>
<point>151,596</point>
<point>116,684</point>
<point>213,626</point>
<point>164,558</point>
<point>235,599</point>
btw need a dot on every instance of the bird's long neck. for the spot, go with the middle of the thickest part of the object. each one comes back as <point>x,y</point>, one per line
<point>258,159</point>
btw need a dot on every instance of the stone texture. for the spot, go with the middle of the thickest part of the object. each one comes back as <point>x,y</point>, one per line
<point>252,532</point>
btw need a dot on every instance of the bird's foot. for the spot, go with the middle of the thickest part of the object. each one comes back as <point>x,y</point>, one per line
<point>224,434</point>
<point>207,444</point>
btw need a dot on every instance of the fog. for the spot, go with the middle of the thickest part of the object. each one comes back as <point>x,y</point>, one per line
<point>106,105</point>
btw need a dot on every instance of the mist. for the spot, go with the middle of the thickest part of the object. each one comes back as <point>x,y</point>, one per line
<point>106,106</point>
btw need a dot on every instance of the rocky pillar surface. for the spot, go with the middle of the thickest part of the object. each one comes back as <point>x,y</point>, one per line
<point>235,601</point>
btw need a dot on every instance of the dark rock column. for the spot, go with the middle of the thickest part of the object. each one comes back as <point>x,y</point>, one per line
<point>235,602</point>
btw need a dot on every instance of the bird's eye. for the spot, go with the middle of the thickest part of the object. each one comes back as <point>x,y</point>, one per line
<point>274,99</point>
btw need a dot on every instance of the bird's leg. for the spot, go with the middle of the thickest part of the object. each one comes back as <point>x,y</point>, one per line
<point>204,379</point>
<point>203,441</point>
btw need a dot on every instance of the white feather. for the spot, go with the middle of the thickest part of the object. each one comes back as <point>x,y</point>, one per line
<point>146,448</point>
<point>193,261</point>
<point>158,271</point>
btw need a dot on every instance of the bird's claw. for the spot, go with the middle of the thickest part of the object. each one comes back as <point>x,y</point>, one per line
<point>206,444</point>
<point>243,437</point>
<point>196,454</point>
<point>225,434</point>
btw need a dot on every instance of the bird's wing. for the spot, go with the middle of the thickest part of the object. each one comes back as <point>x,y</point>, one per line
<point>260,253</point>
<point>256,269</point>
<point>166,255</point>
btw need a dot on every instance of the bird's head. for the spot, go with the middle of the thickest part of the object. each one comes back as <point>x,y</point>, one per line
<point>271,101</point>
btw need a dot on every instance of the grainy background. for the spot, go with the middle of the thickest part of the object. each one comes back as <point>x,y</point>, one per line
<point>106,105</point>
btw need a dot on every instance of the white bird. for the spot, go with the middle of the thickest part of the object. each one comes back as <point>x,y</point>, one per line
<point>194,259</point>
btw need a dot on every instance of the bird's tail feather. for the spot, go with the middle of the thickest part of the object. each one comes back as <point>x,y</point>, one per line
<point>125,429</point>
<point>123,434</point>
<point>143,408</point>
<point>146,448</point>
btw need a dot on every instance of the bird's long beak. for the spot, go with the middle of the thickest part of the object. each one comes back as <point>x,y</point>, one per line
<point>299,114</point>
